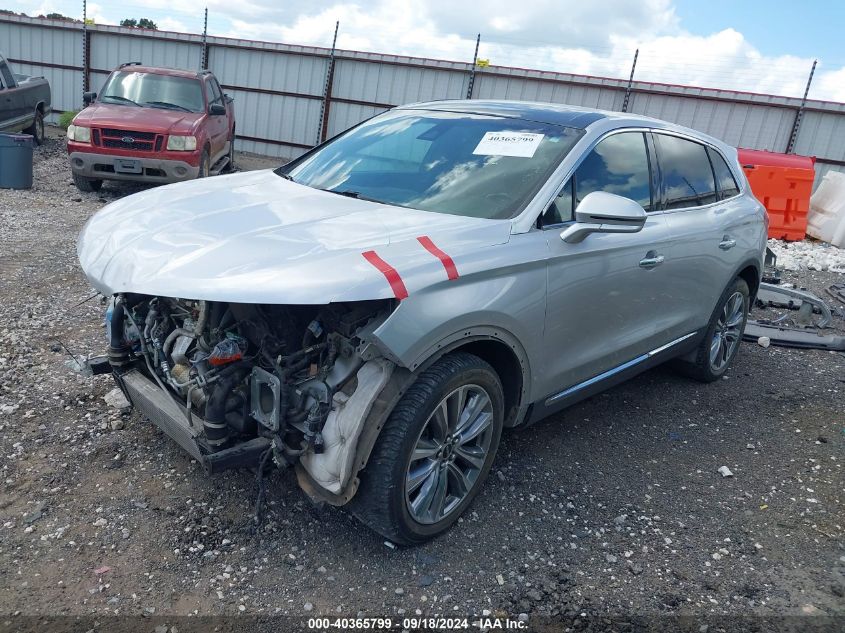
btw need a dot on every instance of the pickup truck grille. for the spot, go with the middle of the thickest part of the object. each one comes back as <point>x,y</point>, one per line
<point>120,139</point>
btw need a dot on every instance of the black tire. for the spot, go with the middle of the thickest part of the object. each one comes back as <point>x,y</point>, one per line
<point>230,168</point>
<point>380,502</point>
<point>205,167</point>
<point>37,128</point>
<point>701,368</point>
<point>87,185</point>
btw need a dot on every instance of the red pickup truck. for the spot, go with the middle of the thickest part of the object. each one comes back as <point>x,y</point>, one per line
<point>155,125</point>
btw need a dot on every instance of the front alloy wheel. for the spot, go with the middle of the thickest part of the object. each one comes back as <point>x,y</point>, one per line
<point>434,451</point>
<point>449,454</point>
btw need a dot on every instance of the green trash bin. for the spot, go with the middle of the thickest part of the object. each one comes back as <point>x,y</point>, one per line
<point>16,161</point>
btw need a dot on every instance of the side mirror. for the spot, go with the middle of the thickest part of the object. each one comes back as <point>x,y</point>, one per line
<point>88,98</point>
<point>216,109</point>
<point>602,212</point>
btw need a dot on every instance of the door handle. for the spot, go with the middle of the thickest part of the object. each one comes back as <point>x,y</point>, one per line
<point>727,243</point>
<point>652,260</point>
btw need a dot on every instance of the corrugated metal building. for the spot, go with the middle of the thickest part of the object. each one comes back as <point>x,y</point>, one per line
<point>281,90</point>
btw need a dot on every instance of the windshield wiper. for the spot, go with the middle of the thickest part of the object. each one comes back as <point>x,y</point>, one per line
<point>352,194</point>
<point>119,98</point>
<point>167,104</point>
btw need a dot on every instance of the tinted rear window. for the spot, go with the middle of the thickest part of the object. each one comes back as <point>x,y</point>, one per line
<point>687,175</point>
<point>724,178</point>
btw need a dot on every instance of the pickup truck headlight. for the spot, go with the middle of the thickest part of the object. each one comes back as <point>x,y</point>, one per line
<point>79,133</point>
<point>182,143</point>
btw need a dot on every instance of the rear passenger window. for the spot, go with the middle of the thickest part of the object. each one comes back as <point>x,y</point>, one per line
<point>725,180</point>
<point>687,174</point>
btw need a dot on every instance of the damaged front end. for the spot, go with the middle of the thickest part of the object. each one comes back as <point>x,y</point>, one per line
<point>240,385</point>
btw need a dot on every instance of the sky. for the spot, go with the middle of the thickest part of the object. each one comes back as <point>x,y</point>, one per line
<point>748,45</point>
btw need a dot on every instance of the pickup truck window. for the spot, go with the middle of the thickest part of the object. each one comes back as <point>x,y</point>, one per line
<point>152,90</point>
<point>6,75</point>
<point>215,94</point>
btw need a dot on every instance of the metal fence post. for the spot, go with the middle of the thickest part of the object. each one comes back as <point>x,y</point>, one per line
<point>322,132</point>
<point>86,49</point>
<point>204,59</point>
<point>472,72</point>
<point>796,126</point>
<point>630,81</point>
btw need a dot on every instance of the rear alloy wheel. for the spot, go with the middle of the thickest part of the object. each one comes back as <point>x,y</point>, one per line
<point>728,332</point>
<point>721,341</point>
<point>434,451</point>
<point>87,185</point>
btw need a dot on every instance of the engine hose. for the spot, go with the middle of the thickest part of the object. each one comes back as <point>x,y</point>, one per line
<point>118,350</point>
<point>216,428</point>
<point>168,342</point>
<point>146,353</point>
<point>194,334</point>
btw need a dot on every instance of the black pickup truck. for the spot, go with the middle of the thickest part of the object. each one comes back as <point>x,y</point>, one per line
<point>24,102</point>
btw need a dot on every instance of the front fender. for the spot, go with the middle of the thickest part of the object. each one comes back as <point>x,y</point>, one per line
<point>506,307</point>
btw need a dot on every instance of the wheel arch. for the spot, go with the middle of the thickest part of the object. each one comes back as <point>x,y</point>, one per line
<point>497,347</point>
<point>751,273</point>
<point>504,355</point>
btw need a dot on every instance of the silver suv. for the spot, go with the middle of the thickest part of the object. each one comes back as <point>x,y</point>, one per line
<point>375,312</point>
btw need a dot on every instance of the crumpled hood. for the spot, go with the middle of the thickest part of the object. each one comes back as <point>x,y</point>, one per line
<point>258,238</point>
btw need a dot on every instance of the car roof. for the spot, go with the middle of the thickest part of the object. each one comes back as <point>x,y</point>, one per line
<point>552,113</point>
<point>158,70</point>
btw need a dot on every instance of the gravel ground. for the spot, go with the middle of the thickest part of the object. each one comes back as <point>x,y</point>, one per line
<point>614,509</point>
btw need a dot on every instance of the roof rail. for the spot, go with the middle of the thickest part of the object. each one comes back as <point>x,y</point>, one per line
<point>124,64</point>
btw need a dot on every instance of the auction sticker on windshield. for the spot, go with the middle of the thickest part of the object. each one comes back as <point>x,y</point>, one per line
<point>518,144</point>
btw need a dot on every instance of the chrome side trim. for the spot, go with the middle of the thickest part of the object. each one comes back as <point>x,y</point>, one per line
<point>663,348</point>
<point>595,379</point>
<point>611,372</point>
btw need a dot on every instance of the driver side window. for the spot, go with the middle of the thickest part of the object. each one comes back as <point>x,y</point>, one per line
<point>618,164</point>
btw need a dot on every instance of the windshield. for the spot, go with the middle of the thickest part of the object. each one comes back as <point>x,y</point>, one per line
<point>158,91</point>
<point>464,164</point>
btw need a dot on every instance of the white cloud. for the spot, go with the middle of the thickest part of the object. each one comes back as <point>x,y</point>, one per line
<point>589,38</point>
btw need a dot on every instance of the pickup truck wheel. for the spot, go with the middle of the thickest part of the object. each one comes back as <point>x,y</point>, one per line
<point>37,128</point>
<point>87,185</point>
<point>204,165</point>
<point>434,451</point>
<point>231,166</point>
<point>721,341</point>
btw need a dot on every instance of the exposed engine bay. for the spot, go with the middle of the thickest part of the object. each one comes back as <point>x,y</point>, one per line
<point>248,384</point>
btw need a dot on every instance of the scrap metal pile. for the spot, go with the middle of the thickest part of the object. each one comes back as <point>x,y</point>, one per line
<point>806,318</point>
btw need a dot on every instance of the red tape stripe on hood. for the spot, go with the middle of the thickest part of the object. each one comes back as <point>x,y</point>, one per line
<point>389,273</point>
<point>448,264</point>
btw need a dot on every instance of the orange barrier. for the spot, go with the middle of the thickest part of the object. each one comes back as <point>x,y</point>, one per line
<point>783,183</point>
